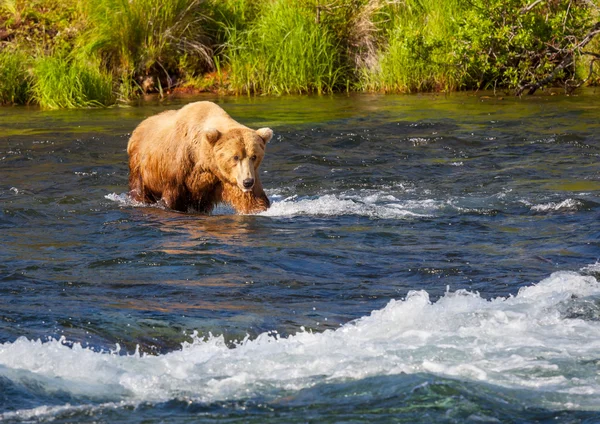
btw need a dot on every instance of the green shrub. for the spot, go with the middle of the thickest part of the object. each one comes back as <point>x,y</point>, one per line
<point>520,45</point>
<point>60,82</point>
<point>460,44</point>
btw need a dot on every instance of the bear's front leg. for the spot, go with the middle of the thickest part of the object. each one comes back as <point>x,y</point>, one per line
<point>245,203</point>
<point>138,191</point>
<point>176,198</point>
<point>202,187</point>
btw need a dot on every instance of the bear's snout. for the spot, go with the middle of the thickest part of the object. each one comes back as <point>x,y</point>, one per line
<point>248,183</point>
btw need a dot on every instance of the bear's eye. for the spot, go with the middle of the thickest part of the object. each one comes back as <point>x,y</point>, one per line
<point>253,157</point>
<point>236,158</point>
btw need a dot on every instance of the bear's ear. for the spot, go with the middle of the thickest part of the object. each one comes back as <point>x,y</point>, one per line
<point>212,135</point>
<point>265,133</point>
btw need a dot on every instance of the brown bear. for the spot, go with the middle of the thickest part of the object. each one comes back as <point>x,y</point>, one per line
<point>196,157</point>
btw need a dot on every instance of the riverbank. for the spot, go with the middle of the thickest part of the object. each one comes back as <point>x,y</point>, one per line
<point>101,52</point>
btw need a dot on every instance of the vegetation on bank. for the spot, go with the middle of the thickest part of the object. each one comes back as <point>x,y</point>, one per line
<point>77,53</point>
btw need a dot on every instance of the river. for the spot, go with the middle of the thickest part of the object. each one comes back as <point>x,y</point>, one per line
<point>426,258</point>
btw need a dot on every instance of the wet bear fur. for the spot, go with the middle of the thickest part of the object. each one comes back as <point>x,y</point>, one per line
<point>196,157</point>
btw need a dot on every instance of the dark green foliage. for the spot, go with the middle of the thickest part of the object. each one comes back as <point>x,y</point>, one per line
<point>522,44</point>
<point>472,44</point>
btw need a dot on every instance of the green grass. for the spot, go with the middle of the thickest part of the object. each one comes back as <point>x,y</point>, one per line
<point>62,83</point>
<point>15,81</point>
<point>418,48</point>
<point>160,39</point>
<point>285,51</point>
<point>75,53</point>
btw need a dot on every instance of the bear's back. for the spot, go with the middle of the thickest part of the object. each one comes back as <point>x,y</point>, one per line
<point>151,131</point>
<point>208,115</point>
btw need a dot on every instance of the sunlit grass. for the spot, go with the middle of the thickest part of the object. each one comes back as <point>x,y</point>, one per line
<point>163,39</point>
<point>60,82</point>
<point>15,81</point>
<point>285,51</point>
<point>417,54</point>
<point>76,53</point>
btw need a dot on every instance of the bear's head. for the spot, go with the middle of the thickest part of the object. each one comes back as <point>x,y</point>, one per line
<point>238,154</point>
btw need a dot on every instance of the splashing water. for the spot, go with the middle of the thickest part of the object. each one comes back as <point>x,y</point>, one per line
<point>425,259</point>
<point>523,342</point>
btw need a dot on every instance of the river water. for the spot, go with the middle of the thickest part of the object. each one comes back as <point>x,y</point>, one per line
<point>426,259</point>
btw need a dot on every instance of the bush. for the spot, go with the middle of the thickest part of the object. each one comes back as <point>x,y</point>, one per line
<point>458,44</point>
<point>524,45</point>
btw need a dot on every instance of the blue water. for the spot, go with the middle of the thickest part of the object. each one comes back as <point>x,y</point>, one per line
<point>426,259</point>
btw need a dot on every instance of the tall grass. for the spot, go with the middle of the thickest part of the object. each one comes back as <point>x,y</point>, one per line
<point>13,10</point>
<point>231,14</point>
<point>148,38</point>
<point>62,82</point>
<point>417,52</point>
<point>284,51</point>
<point>74,53</point>
<point>15,81</point>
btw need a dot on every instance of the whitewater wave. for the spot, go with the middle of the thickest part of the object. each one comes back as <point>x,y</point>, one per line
<point>593,269</point>
<point>124,199</point>
<point>376,205</point>
<point>565,205</point>
<point>532,340</point>
<point>381,206</point>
